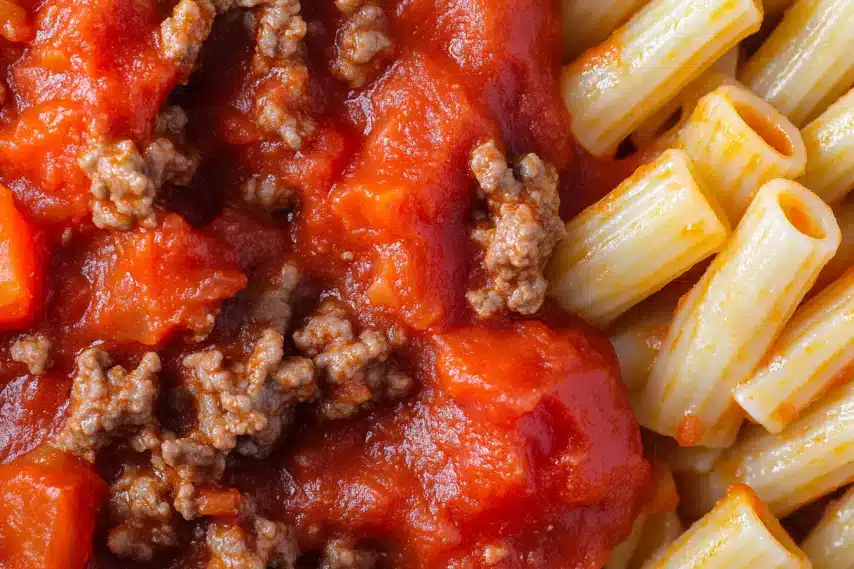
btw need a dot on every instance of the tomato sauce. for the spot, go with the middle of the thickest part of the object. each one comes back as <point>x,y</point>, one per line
<point>519,448</point>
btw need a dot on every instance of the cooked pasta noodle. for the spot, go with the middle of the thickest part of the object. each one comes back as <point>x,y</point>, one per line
<point>829,141</point>
<point>648,231</point>
<point>587,23</point>
<point>830,545</point>
<point>810,458</point>
<point>722,328</point>
<point>807,62</point>
<point>739,532</point>
<point>812,352</point>
<point>612,89</point>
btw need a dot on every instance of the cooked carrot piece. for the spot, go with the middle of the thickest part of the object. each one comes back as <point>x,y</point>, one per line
<point>47,512</point>
<point>20,265</point>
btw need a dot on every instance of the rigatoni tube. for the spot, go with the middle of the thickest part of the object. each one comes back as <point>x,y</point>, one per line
<point>659,532</point>
<point>671,117</point>
<point>727,322</point>
<point>586,23</point>
<point>830,545</point>
<point>810,458</point>
<point>814,348</point>
<point>648,231</point>
<point>739,533</point>
<point>739,142</point>
<point>808,61</point>
<point>612,89</point>
<point>829,140</point>
<point>844,258</point>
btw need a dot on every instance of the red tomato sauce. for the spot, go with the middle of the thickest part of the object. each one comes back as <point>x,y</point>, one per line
<point>518,448</point>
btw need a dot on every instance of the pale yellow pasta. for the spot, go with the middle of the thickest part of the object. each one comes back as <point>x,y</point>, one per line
<point>623,553</point>
<point>669,119</point>
<point>829,141</point>
<point>776,7</point>
<point>738,142</point>
<point>659,531</point>
<point>810,458</point>
<point>844,257</point>
<point>648,231</point>
<point>739,533</point>
<point>814,348</point>
<point>638,335</point>
<point>729,319</point>
<point>830,545</point>
<point>807,62</point>
<point>679,458</point>
<point>586,23</point>
<point>612,89</point>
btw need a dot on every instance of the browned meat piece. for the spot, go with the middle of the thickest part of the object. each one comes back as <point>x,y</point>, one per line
<point>34,352</point>
<point>524,229</point>
<point>280,31</point>
<point>343,553</point>
<point>253,402</point>
<point>251,542</point>
<point>142,517</point>
<point>357,370</point>
<point>362,46</point>
<point>188,465</point>
<point>108,402</point>
<point>183,33</point>
<point>269,193</point>
<point>124,182</point>
<point>280,109</point>
<point>273,304</point>
<point>124,194</point>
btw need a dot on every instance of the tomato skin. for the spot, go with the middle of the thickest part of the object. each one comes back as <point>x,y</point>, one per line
<point>21,266</point>
<point>48,509</point>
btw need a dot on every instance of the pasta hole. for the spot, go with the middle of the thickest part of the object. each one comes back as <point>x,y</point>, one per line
<point>800,216</point>
<point>770,131</point>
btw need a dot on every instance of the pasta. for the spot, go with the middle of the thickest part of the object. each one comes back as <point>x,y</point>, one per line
<point>739,142</point>
<point>612,89</point>
<point>807,62</point>
<point>830,545</point>
<point>670,118</point>
<point>649,230</point>
<point>813,350</point>
<point>658,532</point>
<point>829,141</point>
<point>586,23</point>
<point>679,458</point>
<point>810,458</point>
<point>739,532</point>
<point>844,257</point>
<point>775,7</point>
<point>722,328</point>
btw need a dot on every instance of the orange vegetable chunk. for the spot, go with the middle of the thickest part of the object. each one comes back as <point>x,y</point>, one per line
<point>20,265</point>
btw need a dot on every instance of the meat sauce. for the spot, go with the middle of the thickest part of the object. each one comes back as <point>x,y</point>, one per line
<point>516,447</point>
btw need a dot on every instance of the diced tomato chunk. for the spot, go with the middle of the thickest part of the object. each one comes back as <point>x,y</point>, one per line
<point>405,207</point>
<point>148,283</point>
<point>48,509</point>
<point>21,258</point>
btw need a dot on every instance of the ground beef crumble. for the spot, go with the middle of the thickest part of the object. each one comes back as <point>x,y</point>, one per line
<point>125,182</point>
<point>272,306</point>
<point>521,233</point>
<point>362,45</point>
<point>357,369</point>
<point>184,32</point>
<point>252,401</point>
<point>251,542</point>
<point>343,553</point>
<point>141,514</point>
<point>268,193</point>
<point>34,351</point>
<point>108,402</point>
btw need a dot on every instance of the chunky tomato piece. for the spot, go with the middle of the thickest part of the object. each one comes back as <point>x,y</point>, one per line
<point>522,438</point>
<point>403,211</point>
<point>31,410</point>
<point>147,283</point>
<point>21,265</point>
<point>48,511</point>
<point>507,53</point>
